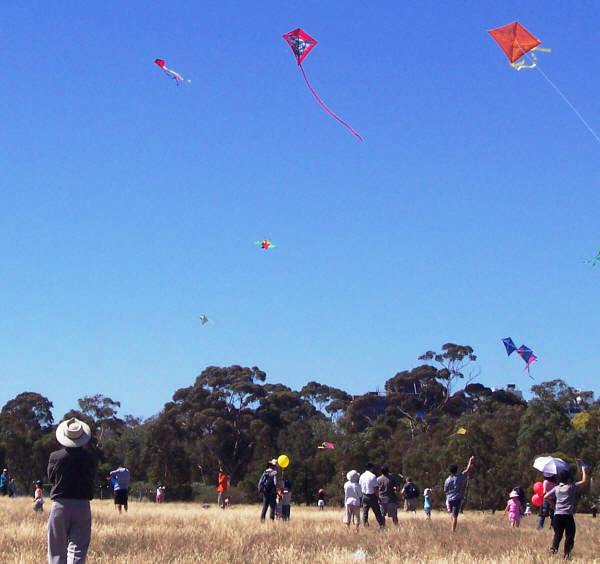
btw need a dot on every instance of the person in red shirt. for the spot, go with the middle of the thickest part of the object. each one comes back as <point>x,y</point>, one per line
<point>222,486</point>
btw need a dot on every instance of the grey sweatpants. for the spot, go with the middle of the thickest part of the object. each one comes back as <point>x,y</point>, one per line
<point>69,531</point>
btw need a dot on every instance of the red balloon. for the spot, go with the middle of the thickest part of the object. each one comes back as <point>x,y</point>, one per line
<point>536,500</point>
<point>538,488</point>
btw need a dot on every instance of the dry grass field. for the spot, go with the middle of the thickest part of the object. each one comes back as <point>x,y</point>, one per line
<point>185,532</point>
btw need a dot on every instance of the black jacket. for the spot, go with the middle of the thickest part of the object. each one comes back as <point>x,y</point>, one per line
<point>72,472</point>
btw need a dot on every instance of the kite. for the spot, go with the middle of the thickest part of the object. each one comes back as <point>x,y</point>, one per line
<point>516,42</point>
<point>461,431</point>
<point>595,261</point>
<point>265,244</point>
<point>203,319</point>
<point>520,45</point>
<point>326,445</point>
<point>170,72</point>
<point>524,352</point>
<point>302,44</point>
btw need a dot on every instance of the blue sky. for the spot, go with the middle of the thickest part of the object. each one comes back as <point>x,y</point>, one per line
<point>129,206</point>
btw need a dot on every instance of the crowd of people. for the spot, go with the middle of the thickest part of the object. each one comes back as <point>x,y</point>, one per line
<point>72,471</point>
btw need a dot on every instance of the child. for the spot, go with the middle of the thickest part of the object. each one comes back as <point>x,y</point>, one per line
<point>286,500</point>
<point>527,510</point>
<point>321,499</point>
<point>513,508</point>
<point>38,498</point>
<point>352,497</point>
<point>160,493</point>
<point>564,496</point>
<point>427,502</point>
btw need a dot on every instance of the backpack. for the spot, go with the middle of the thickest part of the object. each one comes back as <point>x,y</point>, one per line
<point>411,491</point>
<point>266,484</point>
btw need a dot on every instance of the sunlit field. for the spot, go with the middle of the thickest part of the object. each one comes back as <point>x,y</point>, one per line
<point>186,532</point>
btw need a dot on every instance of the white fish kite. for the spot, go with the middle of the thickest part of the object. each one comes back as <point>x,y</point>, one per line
<point>170,72</point>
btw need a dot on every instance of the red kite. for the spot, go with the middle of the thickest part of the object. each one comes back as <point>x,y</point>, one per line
<point>302,44</point>
<point>170,72</point>
<point>514,40</point>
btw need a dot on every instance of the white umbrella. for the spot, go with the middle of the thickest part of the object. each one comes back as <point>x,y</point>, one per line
<point>550,465</point>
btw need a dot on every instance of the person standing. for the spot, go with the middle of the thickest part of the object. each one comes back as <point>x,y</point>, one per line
<point>267,487</point>
<point>427,502</point>
<point>12,488</point>
<point>120,479</point>
<point>71,471</point>
<point>411,494</point>
<point>547,509</point>
<point>4,479</point>
<point>38,497</point>
<point>321,499</point>
<point>222,485</point>
<point>352,498</point>
<point>286,500</point>
<point>370,499</point>
<point>514,509</point>
<point>160,493</point>
<point>454,488</point>
<point>564,497</point>
<point>594,510</point>
<point>388,498</point>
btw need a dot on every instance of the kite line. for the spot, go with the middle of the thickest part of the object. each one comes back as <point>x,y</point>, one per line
<point>324,106</point>
<point>568,102</point>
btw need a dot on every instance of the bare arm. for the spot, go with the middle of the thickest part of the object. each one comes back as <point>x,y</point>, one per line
<point>470,464</point>
<point>585,476</point>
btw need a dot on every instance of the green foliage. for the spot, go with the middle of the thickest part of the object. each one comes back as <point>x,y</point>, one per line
<point>231,418</point>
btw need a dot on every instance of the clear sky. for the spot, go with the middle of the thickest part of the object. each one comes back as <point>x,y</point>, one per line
<point>130,206</point>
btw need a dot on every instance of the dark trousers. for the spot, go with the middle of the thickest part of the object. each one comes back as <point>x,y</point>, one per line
<point>285,512</point>
<point>269,502</point>
<point>370,501</point>
<point>564,524</point>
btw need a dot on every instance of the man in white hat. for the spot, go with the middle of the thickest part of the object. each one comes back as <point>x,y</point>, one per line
<point>71,471</point>
<point>267,487</point>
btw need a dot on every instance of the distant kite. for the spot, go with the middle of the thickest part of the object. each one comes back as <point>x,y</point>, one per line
<point>524,352</point>
<point>203,319</point>
<point>170,72</point>
<point>326,445</point>
<point>301,44</point>
<point>265,244</point>
<point>461,431</point>
<point>595,261</point>
<point>519,45</point>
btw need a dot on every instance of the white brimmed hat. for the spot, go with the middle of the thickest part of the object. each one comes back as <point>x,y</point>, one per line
<point>73,433</point>
<point>514,493</point>
<point>273,462</point>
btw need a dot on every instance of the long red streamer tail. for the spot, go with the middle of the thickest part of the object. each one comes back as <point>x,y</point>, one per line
<point>324,106</point>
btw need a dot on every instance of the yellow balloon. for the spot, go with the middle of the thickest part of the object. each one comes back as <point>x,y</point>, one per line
<point>283,461</point>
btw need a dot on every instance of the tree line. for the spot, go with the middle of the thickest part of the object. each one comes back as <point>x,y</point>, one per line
<point>230,417</point>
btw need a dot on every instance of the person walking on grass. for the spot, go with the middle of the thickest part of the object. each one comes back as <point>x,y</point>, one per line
<point>370,500</point>
<point>4,479</point>
<point>427,502</point>
<point>267,487</point>
<point>222,485</point>
<point>286,500</point>
<point>120,478</point>
<point>160,493</point>
<point>547,508</point>
<point>321,499</point>
<point>564,497</point>
<point>514,509</point>
<point>454,488</point>
<point>38,497</point>
<point>411,494</point>
<point>71,471</point>
<point>388,498</point>
<point>352,499</point>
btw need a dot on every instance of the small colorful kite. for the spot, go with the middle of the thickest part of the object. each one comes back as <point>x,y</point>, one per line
<point>302,44</point>
<point>595,261</point>
<point>326,445</point>
<point>461,431</point>
<point>265,244</point>
<point>519,45</point>
<point>203,319</point>
<point>524,352</point>
<point>170,72</point>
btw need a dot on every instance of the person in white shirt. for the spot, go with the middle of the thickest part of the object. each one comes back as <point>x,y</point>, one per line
<point>352,497</point>
<point>370,490</point>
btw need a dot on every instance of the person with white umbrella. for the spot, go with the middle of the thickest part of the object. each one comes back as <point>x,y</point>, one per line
<point>549,466</point>
<point>564,497</point>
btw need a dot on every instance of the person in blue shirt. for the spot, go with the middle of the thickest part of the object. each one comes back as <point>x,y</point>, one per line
<point>120,481</point>
<point>4,479</point>
<point>454,488</point>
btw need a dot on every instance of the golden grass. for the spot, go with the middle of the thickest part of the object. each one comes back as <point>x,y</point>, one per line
<point>185,532</point>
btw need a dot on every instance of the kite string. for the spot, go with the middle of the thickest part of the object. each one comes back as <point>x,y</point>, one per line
<point>324,106</point>
<point>568,102</point>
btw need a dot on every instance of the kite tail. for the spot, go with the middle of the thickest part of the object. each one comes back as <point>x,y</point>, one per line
<point>324,106</point>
